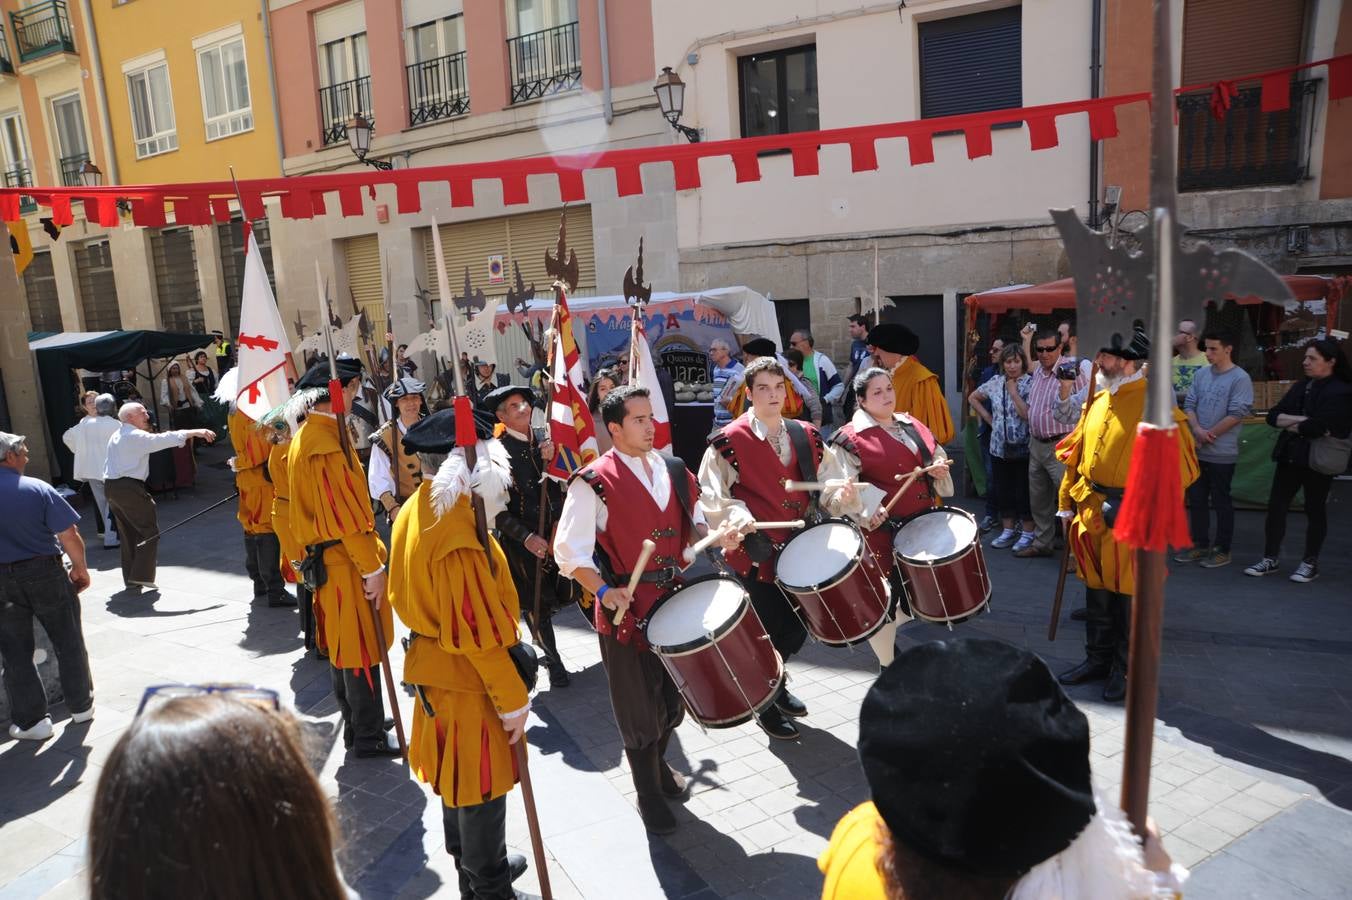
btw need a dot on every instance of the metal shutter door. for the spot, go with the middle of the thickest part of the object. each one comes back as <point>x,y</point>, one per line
<point>1225,38</point>
<point>39,286</point>
<point>467,245</point>
<point>971,63</point>
<point>531,234</point>
<point>98,290</point>
<point>362,255</point>
<point>176,280</point>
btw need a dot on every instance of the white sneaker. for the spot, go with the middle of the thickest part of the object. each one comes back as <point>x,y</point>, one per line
<point>1306,572</point>
<point>79,718</point>
<point>39,732</point>
<point>111,545</point>
<point>1025,541</point>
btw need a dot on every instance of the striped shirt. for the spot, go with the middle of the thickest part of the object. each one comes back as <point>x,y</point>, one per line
<point>1042,421</point>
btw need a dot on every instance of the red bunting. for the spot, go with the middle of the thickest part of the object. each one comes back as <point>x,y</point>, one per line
<point>302,197</point>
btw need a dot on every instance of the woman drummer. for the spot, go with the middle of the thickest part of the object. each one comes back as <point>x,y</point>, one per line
<point>873,448</point>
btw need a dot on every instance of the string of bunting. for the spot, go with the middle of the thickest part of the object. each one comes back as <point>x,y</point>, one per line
<point>304,196</point>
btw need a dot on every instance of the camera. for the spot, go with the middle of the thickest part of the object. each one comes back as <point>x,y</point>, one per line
<point>1068,371</point>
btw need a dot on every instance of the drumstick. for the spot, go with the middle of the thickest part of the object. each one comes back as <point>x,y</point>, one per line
<point>704,543</point>
<point>643,556</point>
<point>792,524</point>
<point>829,484</point>
<point>910,480</point>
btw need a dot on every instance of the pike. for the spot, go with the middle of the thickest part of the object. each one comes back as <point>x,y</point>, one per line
<point>338,407</point>
<point>159,534</point>
<point>467,439</point>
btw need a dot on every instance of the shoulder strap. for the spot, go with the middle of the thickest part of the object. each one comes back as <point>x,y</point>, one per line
<point>926,457</point>
<point>680,484</point>
<point>807,470</point>
<point>593,481</point>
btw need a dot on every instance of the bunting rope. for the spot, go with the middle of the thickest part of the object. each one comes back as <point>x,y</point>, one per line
<point>303,196</point>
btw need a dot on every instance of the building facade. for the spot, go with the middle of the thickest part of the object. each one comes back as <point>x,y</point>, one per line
<point>441,82</point>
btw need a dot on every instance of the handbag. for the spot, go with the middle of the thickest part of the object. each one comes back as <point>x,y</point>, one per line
<point>527,663</point>
<point>1329,455</point>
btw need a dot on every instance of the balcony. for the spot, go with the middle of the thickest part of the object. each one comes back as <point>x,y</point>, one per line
<point>437,89</point>
<point>70,169</point>
<point>6,64</point>
<point>1246,147</point>
<point>41,30</point>
<point>21,177</point>
<point>338,103</point>
<point>545,62</point>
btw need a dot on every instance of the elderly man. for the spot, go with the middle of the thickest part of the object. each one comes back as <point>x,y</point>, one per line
<point>724,369</point>
<point>124,480</point>
<point>88,442</point>
<point>819,372</point>
<point>38,525</point>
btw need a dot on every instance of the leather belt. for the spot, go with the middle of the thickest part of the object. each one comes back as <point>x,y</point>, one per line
<point>1048,440</point>
<point>30,563</point>
<point>664,575</point>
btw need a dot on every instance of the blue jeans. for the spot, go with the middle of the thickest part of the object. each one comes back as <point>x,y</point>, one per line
<point>42,589</point>
<point>1212,489</point>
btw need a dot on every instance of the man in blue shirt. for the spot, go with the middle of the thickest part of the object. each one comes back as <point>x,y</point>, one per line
<point>724,369</point>
<point>859,358</point>
<point>38,523</point>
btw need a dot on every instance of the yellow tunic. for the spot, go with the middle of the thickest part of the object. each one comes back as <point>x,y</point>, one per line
<point>251,455</point>
<point>465,619</point>
<point>850,861</point>
<point>292,551</point>
<point>793,403</point>
<point>919,395</point>
<point>329,502</point>
<point>1098,451</point>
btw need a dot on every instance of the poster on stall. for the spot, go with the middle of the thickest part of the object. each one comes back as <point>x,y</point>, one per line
<point>679,332</point>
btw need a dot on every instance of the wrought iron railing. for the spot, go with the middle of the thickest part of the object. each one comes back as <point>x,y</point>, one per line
<point>437,89</point>
<point>6,64</point>
<point>41,29</point>
<point>21,177</point>
<point>70,169</point>
<point>1245,146</point>
<point>544,62</point>
<point>338,103</point>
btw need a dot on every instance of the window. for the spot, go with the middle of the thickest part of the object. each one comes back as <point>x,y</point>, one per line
<point>39,286</point>
<point>175,261</point>
<point>778,91</point>
<point>98,288</point>
<point>345,59</point>
<point>12,143</point>
<point>432,40</point>
<point>152,111</point>
<point>537,15</point>
<point>68,118</point>
<point>231,237</point>
<point>971,63</point>
<point>225,89</point>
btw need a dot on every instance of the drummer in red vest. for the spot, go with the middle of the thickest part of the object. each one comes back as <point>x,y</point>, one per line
<point>630,494</point>
<point>742,478</point>
<point>874,447</point>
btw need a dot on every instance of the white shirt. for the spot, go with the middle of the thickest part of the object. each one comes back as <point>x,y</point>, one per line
<point>380,477</point>
<point>871,498</point>
<point>129,451</point>
<point>88,440</point>
<point>717,476</point>
<point>584,514</point>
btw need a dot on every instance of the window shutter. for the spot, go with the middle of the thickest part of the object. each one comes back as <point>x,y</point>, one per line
<point>364,279</point>
<point>176,280</point>
<point>971,63</point>
<point>98,290</point>
<point>1225,38</point>
<point>530,235</point>
<point>39,286</point>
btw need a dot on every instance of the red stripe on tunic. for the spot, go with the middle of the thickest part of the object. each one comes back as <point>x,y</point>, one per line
<point>485,763</point>
<point>441,754</point>
<point>455,766</point>
<point>328,489</point>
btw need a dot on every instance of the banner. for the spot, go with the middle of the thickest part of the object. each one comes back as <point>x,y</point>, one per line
<point>645,375</point>
<point>262,343</point>
<point>678,331</point>
<point>570,422</point>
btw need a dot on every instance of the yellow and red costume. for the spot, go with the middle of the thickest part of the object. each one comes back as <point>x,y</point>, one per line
<point>329,504</point>
<point>463,616</point>
<point>1098,454</point>
<point>919,395</point>
<point>850,861</point>
<point>292,549</point>
<point>793,401</point>
<point>255,491</point>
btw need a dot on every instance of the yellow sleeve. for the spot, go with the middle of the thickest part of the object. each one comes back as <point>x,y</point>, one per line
<point>849,862</point>
<point>366,551</point>
<point>342,511</point>
<point>938,418</point>
<point>500,678</point>
<point>1068,451</point>
<point>1189,468</point>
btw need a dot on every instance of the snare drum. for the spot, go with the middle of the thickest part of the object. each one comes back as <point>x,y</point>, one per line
<point>716,650</point>
<point>939,557</point>
<point>840,588</point>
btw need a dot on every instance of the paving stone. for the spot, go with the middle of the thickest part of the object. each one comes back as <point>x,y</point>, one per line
<point>1208,837</point>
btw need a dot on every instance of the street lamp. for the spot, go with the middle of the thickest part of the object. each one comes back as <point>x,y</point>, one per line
<point>359,139</point>
<point>92,176</point>
<point>670,91</point>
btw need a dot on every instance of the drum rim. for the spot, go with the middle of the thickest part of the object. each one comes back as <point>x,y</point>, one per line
<point>953,620</point>
<point>938,561</point>
<point>832,580</point>
<point>691,646</point>
<point>742,718</point>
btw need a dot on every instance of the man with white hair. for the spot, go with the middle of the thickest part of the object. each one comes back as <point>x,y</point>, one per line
<point>38,524</point>
<point>724,368</point>
<point>124,481</point>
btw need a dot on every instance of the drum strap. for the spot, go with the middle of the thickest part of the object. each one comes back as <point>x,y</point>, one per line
<point>803,452</point>
<point>926,457</point>
<point>681,485</point>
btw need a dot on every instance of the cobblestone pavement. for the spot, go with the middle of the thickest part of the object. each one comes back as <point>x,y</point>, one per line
<point>1252,778</point>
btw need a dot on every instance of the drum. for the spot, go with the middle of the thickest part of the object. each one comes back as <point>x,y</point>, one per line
<point>840,588</point>
<point>939,557</point>
<point>716,650</point>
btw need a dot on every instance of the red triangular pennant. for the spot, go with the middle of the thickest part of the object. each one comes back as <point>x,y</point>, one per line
<point>921,145</point>
<point>1042,132</point>
<point>1276,92</point>
<point>805,160</point>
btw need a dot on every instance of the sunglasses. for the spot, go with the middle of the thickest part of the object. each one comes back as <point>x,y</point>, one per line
<point>248,693</point>
<point>1051,349</point>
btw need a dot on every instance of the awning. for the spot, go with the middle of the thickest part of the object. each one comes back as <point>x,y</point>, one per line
<point>1060,294</point>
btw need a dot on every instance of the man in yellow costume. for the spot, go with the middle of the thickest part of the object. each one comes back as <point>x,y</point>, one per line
<point>293,552</point>
<point>917,388</point>
<point>462,610</point>
<point>1097,455</point>
<point>345,560</point>
<point>262,550</point>
<point>733,397</point>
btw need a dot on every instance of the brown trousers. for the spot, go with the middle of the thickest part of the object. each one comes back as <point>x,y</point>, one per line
<point>131,503</point>
<point>645,700</point>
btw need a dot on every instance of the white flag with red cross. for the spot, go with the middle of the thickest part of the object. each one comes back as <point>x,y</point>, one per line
<point>263,347</point>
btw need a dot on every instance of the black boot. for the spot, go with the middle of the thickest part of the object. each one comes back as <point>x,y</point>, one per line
<point>558,675</point>
<point>790,705</point>
<point>645,767</point>
<point>260,588</point>
<point>1098,639</point>
<point>773,722</point>
<point>1116,688</point>
<point>673,782</point>
<point>268,552</point>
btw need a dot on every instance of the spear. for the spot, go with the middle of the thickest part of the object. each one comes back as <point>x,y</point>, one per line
<point>466,438</point>
<point>338,407</point>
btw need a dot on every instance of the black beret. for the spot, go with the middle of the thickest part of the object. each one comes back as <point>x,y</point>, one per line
<point>493,399</point>
<point>760,347</point>
<point>317,376</point>
<point>894,338</point>
<point>436,433</point>
<point>403,387</point>
<point>1138,349</point>
<point>976,758</point>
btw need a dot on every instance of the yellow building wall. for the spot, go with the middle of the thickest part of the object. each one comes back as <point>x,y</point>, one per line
<point>132,30</point>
